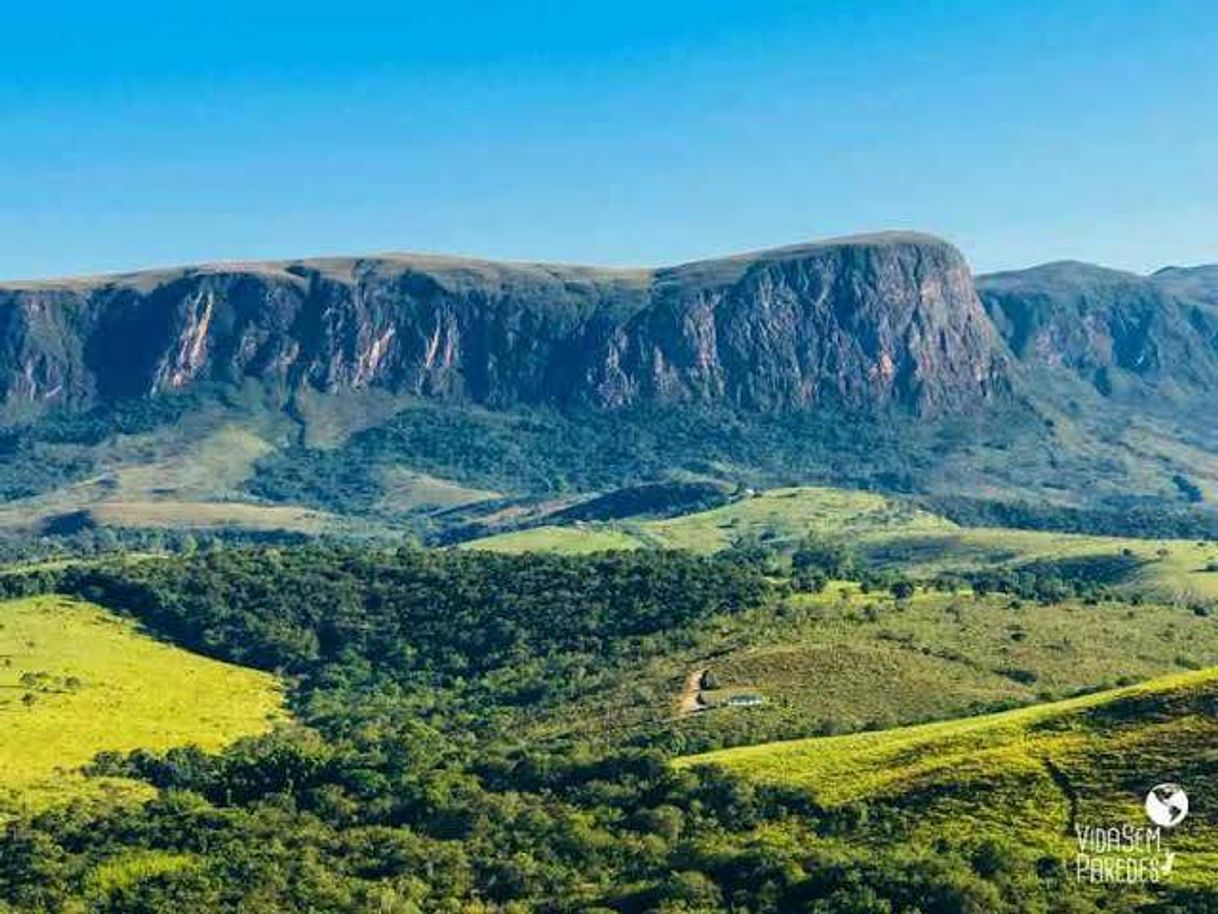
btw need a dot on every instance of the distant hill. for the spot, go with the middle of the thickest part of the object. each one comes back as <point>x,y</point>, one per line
<point>1195,284</point>
<point>1128,336</point>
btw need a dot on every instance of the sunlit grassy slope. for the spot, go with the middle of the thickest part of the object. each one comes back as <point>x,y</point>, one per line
<point>184,515</point>
<point>574,540</point>
<point>405,490</point>
<point>1030,774</point>
<point>937,654</point>
<point>75,680</point>
<point>843,660</point>
<point>190,476</point>
<point>886,531</point>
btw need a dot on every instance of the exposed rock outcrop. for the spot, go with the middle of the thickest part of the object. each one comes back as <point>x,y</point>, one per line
<point>872,321</point>
<point>1123,334</point>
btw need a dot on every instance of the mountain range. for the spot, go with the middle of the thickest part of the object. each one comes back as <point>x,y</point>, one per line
<point>874,360</point>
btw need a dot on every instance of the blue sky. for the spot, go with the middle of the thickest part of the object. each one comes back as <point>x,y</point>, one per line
<point>619,133</point>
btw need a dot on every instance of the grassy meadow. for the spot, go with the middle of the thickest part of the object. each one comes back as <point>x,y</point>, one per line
<point>187,515</point>
<point>843,661</point>
<point>187,477</point>
<point>573,540</point>
<point>886,531</point>
<point>1030,774</point>
<point>76,680</point>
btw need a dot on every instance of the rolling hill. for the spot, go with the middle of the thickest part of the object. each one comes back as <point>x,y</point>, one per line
<point>1034,776</point>
<point>889,532</point>
<point>76,680</point>
<point>484,726</point>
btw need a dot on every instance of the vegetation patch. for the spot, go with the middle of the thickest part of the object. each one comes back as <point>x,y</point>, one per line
<point>462,745</point>
<point>896,533</point>
<point>1026,776</point>
<point>76,680</point>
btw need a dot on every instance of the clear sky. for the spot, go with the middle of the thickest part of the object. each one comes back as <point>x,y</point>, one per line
<point>622,132</point>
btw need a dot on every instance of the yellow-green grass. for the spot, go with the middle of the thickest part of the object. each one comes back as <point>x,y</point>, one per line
<point>574,540</point>
<point>842,661</point>
<point>76,680</point>
<point>405,490</point>
<point>216,463</point>
<point>781,513</point>
<point>993,648</point>
<point>189,477</point>
<point>891,532</point>
<point>210,515</point>
<point>130,867</point>
<point>203,458</point>
<point>838,769</point>
<point>1174,569</point>
<point>925,543</point>
<point>795,512</point>
<point>191,474</point>
<point>1031,774</point>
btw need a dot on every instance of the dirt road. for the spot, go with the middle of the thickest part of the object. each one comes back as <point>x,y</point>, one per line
<point>691,695</point>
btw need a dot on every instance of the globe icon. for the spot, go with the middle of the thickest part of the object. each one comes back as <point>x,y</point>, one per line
<point>1167,805</point>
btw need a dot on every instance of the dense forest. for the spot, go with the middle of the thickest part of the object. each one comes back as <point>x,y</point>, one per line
<point>542,451</point>
<point>406,784</point>
<point>1144,517</point>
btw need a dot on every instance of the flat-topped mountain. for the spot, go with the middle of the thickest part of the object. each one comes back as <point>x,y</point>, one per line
<point>868,321</point>
<point>455,396</point>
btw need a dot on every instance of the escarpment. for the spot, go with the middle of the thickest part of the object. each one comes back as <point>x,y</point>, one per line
<point>867,322</point>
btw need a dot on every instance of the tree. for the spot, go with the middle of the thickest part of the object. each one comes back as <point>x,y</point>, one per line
<point>833,559</point>
<point>903,589</point>
<point>809,580</point>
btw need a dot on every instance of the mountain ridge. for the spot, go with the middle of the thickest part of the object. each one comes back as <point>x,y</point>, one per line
<point>1127,335</point>
<point>888,318</point>
<point>279,264</point>
<point>343,385</point>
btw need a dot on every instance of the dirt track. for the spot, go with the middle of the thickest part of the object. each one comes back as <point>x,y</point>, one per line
<point>691,695</point>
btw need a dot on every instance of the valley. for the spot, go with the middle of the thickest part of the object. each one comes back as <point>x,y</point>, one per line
<point>559,458</point>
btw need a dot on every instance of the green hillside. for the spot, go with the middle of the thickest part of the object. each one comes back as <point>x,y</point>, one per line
<point>843,660</point>
<point>1029,776</point>
<point>573,540</point>
<point>889,532</point>
<point>76,680</point>
<point>487,732</point>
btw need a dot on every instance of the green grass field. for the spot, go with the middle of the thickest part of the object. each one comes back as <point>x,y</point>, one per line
<point>573,540</point>
<point>190,476</point>
<point>405,491</point>
<point>885,531</point>
<point>76,680</point>
<point>842,661</point>
<point>1028,775</point>
<point>788,514</point>
<point>186,515</point>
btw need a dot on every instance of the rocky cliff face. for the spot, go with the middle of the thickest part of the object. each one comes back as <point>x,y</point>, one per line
<point>873,321</point>
<point>1124,334</point>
